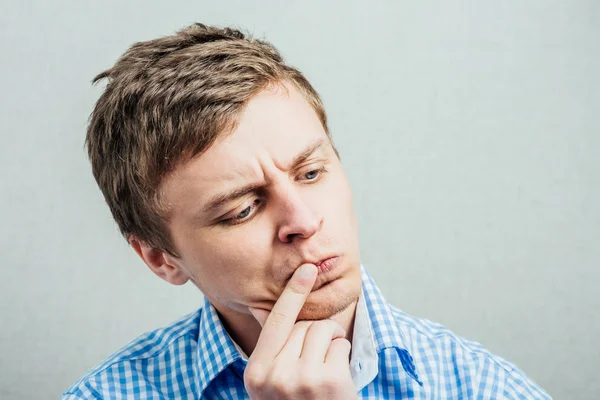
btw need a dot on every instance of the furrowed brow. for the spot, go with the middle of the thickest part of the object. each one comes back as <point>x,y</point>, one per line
<point>223,198</point>
<point>306,153</point>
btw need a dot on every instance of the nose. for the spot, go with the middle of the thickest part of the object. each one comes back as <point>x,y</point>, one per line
<point>298,220</point>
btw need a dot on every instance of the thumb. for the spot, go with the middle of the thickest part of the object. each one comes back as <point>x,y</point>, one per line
<point>259,314</point>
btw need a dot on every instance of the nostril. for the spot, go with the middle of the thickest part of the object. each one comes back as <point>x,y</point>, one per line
<point>303,226</point>
<point>291,236</point>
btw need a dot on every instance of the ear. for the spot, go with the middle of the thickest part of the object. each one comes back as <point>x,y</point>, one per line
<point>159,262</point>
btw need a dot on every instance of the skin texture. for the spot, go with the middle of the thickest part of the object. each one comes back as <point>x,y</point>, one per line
<point>298,360</point>
<point>297,213</point>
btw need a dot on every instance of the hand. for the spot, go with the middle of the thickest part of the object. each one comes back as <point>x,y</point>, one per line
<point>298,360</point>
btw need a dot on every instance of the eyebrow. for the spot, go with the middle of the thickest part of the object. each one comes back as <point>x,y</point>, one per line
<point>233,194</point>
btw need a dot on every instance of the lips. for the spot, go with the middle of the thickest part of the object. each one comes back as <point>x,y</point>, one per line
<point>327,270</point>
<point>327,264</point>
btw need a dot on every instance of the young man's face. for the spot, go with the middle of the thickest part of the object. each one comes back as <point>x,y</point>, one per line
<point>292,205</point>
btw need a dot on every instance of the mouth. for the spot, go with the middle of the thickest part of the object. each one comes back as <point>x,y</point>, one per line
<point>327,271</point>
<point>327,265</point>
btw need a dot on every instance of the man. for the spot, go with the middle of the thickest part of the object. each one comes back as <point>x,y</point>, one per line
<point>215,159</point>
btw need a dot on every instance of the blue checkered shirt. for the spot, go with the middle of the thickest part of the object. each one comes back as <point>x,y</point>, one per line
<point>195,358</point>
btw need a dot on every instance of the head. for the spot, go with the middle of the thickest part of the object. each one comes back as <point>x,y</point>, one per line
<point>215,159</point>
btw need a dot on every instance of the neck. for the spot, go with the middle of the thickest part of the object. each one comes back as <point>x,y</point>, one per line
<point>245,330</point>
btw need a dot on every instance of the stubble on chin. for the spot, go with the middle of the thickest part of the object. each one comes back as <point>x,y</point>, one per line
<point>318,311</point>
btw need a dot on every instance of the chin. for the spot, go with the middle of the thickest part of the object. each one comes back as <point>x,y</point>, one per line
<point>332,298</point>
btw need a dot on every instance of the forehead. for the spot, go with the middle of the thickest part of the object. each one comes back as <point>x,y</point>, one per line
<point>276,125</point>
<point>276,120</point>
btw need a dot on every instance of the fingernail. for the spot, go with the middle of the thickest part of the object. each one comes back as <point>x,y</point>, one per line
<point>306,271</point>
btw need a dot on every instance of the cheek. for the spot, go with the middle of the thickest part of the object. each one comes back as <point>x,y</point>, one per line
<point>340,217</point>
<point>230,256</point>
<point>339,197</point>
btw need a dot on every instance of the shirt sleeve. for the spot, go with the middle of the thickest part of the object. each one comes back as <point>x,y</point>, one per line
<point>80,392</point>
<point>70,396</point>
<point>520,386</point>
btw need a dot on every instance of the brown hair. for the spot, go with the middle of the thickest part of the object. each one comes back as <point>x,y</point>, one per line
<point>166,101</point>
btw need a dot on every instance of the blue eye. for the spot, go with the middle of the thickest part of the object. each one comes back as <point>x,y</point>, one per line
<point>241,217</point>
<point>244,213</point>
<point>314,174</point>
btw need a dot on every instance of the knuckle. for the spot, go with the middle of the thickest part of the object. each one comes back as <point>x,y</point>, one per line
<point>311,380</point>
<point>341,349</point>
<point>277,317</point>
<point>329,384</point>
<point>304,324</point>
<point>327,323</point>
<point>334,326</point>
<point>280,373</point>
<point>343,342</point>
<point>322,379</point>
<point>320,323</point>
<point>305,390</point>
<point>329,326</point>
<point>279,384</point>
<point>309,375</point>
<point>301,328</point>
<point>281,379</point>
<point>254,376</point>
<point>297,288</point>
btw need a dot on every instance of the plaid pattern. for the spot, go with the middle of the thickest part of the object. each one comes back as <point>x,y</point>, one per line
<point>194,358</point>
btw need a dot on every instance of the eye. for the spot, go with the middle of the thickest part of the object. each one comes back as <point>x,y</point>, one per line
<point>243,215</point>
<point>313,174</point>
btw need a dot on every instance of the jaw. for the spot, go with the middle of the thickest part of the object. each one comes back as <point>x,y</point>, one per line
<point>334,298</point>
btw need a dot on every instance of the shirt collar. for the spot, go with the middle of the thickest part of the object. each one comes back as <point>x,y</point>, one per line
<point>217,351</point>
<point>387,334</point>
<point>364,361</point>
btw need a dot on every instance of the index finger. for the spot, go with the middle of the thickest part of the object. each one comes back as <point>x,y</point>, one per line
<point>282,318</point>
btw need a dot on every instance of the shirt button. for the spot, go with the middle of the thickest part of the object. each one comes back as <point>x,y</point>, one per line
<point>355,365</point>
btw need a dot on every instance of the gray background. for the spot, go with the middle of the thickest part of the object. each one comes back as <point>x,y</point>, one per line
<point>469,130</point>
